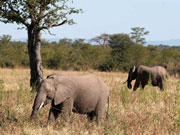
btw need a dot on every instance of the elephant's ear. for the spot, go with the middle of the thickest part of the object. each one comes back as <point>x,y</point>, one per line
<point>61,94</point>
<point>134,68</point>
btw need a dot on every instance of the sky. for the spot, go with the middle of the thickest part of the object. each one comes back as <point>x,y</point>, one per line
<point>160,17</point>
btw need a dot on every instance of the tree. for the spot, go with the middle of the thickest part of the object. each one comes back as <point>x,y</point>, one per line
<point>119,44</point>
<point>137,55</point>
<point>120,41</point>
<point>137,35</point>
<point>78,42</point>
<point>65,42</point>
<point>101,39</point>
<point>4,39</point>
<point>35,16</point>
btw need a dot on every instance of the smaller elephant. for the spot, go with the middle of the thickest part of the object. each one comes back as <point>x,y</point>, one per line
<point>85,94</point>
<point>142,73</point>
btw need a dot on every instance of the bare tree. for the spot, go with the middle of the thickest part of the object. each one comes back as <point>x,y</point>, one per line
<point>101,39</point>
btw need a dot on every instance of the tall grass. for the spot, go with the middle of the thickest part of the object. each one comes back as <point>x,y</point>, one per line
<point>147,111</point>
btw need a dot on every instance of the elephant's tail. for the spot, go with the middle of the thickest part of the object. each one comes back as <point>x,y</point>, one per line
<point>107,112</point>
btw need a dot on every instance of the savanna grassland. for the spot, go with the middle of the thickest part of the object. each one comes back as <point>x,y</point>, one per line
<point>146,112</point>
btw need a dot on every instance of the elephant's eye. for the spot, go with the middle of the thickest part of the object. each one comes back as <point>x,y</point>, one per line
<point>48,97</point>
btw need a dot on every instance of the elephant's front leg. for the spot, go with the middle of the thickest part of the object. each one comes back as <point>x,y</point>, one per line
<point>136,85</point>
<point>67,109</point>
<point>52,115</point>
<point>54,112</point>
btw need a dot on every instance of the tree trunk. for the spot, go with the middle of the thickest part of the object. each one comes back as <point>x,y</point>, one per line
<point>34,47</point>
<point>104,44</point>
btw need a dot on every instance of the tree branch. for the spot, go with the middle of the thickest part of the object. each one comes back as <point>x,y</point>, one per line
<point>17,15</point>
<point>53,25</point>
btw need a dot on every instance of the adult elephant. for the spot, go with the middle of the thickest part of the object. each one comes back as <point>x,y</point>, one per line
<point>84,94</point>
<point>142,74</point>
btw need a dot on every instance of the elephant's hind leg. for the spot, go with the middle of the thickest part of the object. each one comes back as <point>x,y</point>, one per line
<point>161,85</point>
<point>100,110</point>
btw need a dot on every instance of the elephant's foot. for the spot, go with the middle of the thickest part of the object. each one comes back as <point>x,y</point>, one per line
<point>66,117</point>
<point>162,89</point>
<point>91,116</point>
<point>53,115</point>
<point>134,89</point>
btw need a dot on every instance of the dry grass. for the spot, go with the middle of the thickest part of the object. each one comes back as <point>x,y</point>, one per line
<point>142,112</point>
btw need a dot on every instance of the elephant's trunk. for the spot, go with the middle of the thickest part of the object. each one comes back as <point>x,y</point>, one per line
<point>39,102</point>
<point>129,85</point>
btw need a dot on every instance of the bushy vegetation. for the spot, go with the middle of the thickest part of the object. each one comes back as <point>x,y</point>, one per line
<point>147,111</point>
<point>118,55</point>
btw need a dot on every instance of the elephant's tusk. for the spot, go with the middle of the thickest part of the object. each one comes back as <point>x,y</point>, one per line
<point>41,105</point>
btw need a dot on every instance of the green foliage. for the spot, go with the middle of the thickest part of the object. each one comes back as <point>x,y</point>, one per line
<point>120,41</point>
<point>13,54</point>
<point>44,13</point>
<point>137,35</point>
<point>79,55</point>
<point>107,64</point>
<point>117,59</point>
<point>137,54</point>
<point>35,16</point>
<point>75,56</point>
<point>5,39</point>
<point>66,42</point>
<point>154,55</point>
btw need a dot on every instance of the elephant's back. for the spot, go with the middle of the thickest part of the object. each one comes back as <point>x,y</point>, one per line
<point>91,90</point>
<point>91,82</point>
<point>83,82</point>
<point>161,70</point>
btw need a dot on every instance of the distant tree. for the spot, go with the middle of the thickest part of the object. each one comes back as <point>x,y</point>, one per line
<point>35,16</point>
<point>137,55</point>
<point>44,42</point>
<point>137,35</point>
<point>4,39</point>
<point>101,39</point>
<point>154,55</point>
<point>120,41</point>
<point>66,42</point>
<point>78,42</point>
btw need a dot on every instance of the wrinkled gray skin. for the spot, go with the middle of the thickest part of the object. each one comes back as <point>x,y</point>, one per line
<point>142,74</point>
<point>84,94</point>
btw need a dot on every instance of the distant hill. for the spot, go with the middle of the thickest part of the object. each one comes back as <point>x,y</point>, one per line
<point>172,42</point>
<point>168,47</point>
